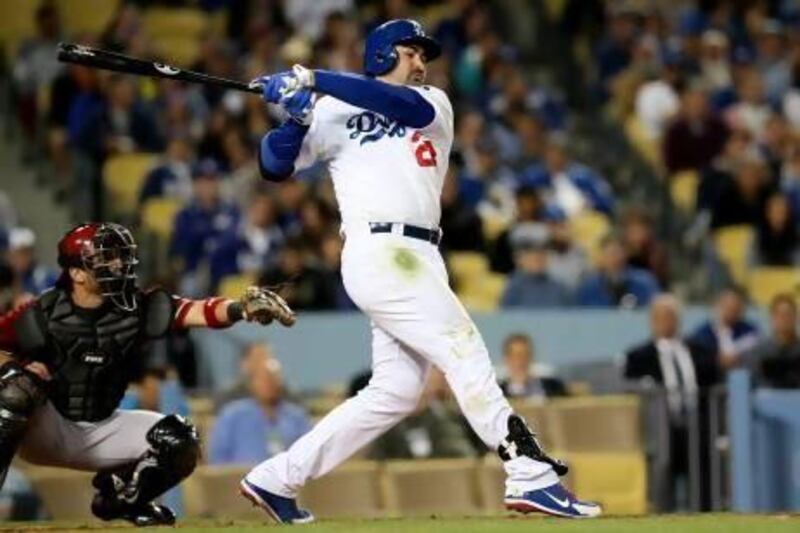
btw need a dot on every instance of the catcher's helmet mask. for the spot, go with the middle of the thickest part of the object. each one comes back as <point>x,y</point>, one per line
<point>108,252</point>
<point>380,55</point>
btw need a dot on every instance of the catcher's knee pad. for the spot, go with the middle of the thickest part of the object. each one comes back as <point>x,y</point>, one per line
<point>175,444</point>
<point>20,391</point>
<point>20,394</point>
<point>521,441</point>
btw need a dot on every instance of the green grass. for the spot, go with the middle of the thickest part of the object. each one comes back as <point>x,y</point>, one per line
<point>710,523</point>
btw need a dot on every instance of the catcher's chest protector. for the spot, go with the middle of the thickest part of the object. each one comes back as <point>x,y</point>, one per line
<point>92,354</point>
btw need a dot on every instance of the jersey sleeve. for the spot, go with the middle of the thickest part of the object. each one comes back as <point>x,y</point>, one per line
<point>441,128</point>
<point>311,150</point>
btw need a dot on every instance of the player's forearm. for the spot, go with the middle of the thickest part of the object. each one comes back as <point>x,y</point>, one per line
<point>399,103</point>
<point>213,313</point>
<point>279,149</point>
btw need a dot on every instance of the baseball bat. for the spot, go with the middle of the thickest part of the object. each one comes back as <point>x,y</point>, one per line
<point>103,59</point>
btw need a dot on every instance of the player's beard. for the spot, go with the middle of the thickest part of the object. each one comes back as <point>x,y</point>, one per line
<point>416,78</point>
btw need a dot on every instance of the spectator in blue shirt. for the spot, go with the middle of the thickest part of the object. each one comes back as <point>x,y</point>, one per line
<point>728,333</point>
<point>172,177</point>
<point>33,277</point>
<point>199,228</point>
<point>616,284</point>
<point>254,429</point>
<point>569,185</point>
<point>531,286</point>
<point>157,390</point>
<point>120,123</point>
<point>252,245</point>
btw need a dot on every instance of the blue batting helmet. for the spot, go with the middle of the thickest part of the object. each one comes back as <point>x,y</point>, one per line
<point>379,54</point>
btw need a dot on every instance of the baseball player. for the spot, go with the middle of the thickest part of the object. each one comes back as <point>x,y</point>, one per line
<point>75,348</point>
<point>386,139</point>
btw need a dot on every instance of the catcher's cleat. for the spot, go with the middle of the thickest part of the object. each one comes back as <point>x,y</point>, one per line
<point>554,500</point>
<point>280,509</point>
<point>141,515</point>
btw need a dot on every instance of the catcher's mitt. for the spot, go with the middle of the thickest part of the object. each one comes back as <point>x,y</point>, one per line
<point>262,305</point>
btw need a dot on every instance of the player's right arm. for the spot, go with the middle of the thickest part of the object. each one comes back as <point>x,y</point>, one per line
<point>280,148</point>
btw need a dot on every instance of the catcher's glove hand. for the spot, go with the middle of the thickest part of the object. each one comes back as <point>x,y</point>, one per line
<point>262,305</point>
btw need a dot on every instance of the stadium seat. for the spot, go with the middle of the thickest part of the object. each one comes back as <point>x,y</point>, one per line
<point>212,491</point>
<point>66,494</point>
<point>179,50</point>
<point>164,21</point>
<point>595,424</point>
<point>17,23</point>
<point>491,483</point>
<point>123,177</point>
<point>493,226</point>
<point>647,147</point>
<point>618,481</point>
<point>467,267</point>
<point>588,229</point>
<point>86,16</point>
<point>424,487</point>
<point>764,283</point>
<point>235,285</point>
<point>351,490</point>
<point>176,33</point>
<point>683,189</point>
<point>732,245</point>
<point>478,288</point>
<point>158,216</point>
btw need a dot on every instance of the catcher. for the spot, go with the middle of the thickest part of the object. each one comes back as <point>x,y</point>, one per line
<point>73,351</point>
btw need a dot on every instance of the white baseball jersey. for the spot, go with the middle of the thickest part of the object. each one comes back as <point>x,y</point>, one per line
<point>382,171</point>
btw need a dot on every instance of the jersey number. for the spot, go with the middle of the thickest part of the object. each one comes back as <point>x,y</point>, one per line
<point>425,152</point>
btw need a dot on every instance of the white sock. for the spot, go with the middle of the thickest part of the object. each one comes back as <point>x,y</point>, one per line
<point>524,474</point>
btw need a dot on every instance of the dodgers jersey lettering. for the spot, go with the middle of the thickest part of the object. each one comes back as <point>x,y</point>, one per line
<point>382,171</point>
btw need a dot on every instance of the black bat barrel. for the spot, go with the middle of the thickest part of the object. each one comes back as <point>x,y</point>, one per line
<point>103,59</point>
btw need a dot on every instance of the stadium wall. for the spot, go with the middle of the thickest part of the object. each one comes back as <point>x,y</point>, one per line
<point>327,348</point>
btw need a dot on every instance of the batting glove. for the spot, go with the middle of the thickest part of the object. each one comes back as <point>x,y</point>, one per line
<point>304,76</point>
<point>276,86</point>
<point>300,106</point>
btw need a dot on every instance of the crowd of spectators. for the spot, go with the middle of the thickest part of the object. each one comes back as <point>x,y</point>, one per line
<point>711,83</point>
<point>511,137</point>
<point>713,89</point>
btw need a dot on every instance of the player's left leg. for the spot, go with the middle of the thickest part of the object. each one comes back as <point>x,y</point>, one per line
<point>138,455</point>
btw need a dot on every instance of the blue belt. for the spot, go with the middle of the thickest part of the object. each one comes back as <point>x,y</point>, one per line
<point>433,236</point>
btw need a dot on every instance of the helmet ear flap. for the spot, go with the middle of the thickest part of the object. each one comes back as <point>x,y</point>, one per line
<point>386,57</point>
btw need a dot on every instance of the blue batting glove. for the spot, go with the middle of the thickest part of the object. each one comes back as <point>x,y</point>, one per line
<point>274,87</point>
<point>299,105</point>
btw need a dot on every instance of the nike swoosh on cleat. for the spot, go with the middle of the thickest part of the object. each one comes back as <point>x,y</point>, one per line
<point>563,503</point>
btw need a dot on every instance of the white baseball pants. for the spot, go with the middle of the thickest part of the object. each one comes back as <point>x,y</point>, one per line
<point>401,284</point>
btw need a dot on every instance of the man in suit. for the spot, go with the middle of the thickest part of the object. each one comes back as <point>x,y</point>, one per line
<point>521,381</point>
<point>685,370</point>
<point>728,334</point>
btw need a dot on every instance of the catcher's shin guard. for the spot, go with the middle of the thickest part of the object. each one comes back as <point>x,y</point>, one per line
<point>522,441</point>
<point>127,492</point>
<point>20,394</point>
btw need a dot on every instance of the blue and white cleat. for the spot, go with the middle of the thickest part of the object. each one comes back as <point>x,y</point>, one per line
<point>282,510</point>
<point>554,500</point>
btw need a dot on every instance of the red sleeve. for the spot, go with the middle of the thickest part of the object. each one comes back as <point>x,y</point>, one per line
<point>8,335</point>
